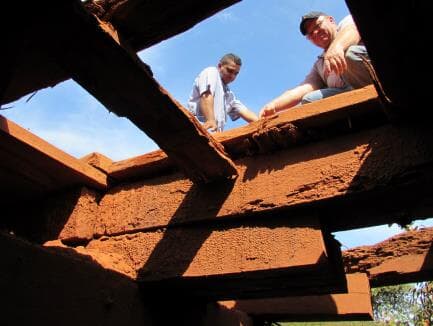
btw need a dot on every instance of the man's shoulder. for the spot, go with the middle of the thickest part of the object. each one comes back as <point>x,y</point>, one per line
<point>209,70</point>
<point>348,20</point>
<point>209,73</point>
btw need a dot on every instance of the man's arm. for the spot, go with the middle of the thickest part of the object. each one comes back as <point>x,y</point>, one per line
<point>206,106</point>
<point>334,56</point>
<point>247,115</point>
<point>286,100</point>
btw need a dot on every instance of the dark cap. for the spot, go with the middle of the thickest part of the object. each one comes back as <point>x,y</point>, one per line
<point>310,15</point>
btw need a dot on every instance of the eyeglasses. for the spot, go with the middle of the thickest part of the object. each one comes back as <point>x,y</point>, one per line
<point>315,28</point>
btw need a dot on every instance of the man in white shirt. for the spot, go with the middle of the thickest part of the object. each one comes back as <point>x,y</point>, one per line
<point>211,100</point>
<point>341,67</point>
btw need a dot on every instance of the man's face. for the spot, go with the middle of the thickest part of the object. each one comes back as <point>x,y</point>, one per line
<point>321,31</point>
<point>228,71</point>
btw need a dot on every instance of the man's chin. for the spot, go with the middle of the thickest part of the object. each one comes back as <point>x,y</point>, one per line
<point>324,42</point>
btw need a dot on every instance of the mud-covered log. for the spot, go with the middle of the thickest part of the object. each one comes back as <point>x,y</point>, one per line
<point>406,257</point>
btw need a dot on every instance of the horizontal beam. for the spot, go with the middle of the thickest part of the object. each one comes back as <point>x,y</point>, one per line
<point>98,161</point>
<point>231,261</point>
<point>143,166</point>
<point>59,286</point>
<point>70,214</point>
<point>288,129</point>
<point>34,167</point>
<point>310,122</point>
<point>404,258</point>
<point>349,176</point>
<point>353,305</point>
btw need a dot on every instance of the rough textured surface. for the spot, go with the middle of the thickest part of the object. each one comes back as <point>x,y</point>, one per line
<point>294,127</point>
<point>108,260</point>
<point>327,178</point>
<point>224,251</point>
<point>340,114</point>
<point>354,305</point>
<point>134,93</point>
<point>31,168</point>
<point>144,166</point>
<point>81,222</point>
<point>338,169</point>
<point>69,215</point>
<point>407,257</point>
<point>47,287</point>
<point>230,261</point>
<point>98,161</point>
<point>52,285</point>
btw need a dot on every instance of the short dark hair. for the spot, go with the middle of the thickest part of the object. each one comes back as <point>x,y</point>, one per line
<point>230,57</point>
<point>307,17</point>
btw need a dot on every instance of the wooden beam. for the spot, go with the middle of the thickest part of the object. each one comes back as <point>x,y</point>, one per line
<point>395,35</point>
<point>98,161</point>
<point>69,214</point>
<point>120,81</point>
<point>404,258</point>
<point>338,114</point>
<point>144,166</point>
<point>302,124</point>
<point>142,23</point>
<point>348,181</point>
<point>59,286</point>
<point>353,305</point>
<point>34,167</point>
<point>145,23</point>
<point>237,260</point>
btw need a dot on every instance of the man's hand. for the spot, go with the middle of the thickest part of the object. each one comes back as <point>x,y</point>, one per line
<point>268,110</point>
<point>211,125</point>
<point>334,60</point>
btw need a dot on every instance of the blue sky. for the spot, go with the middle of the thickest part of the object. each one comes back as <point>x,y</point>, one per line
<point>265,34</point>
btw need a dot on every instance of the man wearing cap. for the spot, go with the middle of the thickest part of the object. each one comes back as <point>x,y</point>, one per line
<point>340,68</point>
<point>211,100</point>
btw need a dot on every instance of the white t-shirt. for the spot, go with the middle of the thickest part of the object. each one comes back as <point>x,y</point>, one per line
<point>225,102</point>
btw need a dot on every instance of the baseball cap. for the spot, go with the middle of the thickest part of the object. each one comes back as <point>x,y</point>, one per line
<point>308,16</point>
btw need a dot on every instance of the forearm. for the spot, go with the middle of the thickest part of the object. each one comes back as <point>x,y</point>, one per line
<point>248,115</point>
<point>345,38</point>
<point>290,97</point>
<point>207,107</point>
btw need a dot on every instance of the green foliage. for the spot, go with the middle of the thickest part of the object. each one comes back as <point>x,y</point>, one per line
<point>422,297</point>
<point>333,323</point>
<point>393,303</point>
<point>407,304</point>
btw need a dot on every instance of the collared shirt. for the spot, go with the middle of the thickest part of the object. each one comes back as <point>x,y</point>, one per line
<point>225,102</point>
